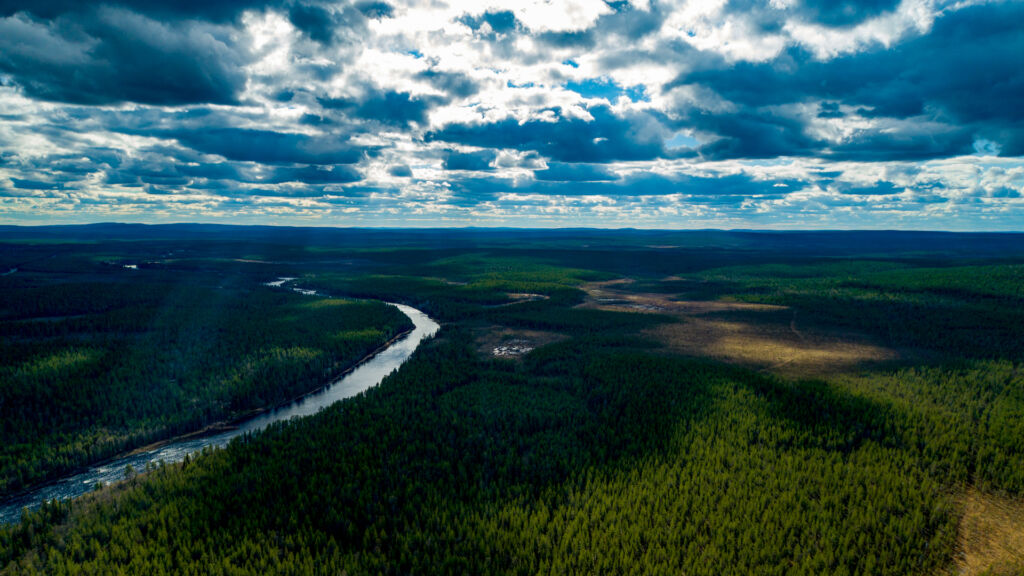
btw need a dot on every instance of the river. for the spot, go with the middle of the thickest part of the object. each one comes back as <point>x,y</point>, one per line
<point>364,376</point>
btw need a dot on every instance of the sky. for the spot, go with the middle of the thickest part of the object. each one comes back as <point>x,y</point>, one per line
<point>775,114</point>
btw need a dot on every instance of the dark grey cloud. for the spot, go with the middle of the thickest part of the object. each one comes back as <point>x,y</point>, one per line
<point>176,168</point>
<point>333,22</point>
<point>270,147</point>
<point>954,83</point>
<point>605,138</point>
<point>61,171</point>
<point>314,175</point>
<point>829,110</point>
<point>109,56</point>
<point>315,21</point>
<point>165,53</point>
<point>906,144</point>
<point>831,13</point>
<point>626,24</point>
<point>386,107</point>
<point>577,39</point>
<point>725,190</point>
<point>242,197</point>
<point>881,188</point>
<point>23,184</point>
<point>492,23</point>
<point>71,166</point>
<point>845,12</point>
<point>149,169</point>
<point>214,171</point>
<point>214,10</point>
<point>168,172</point>
<point>747,134</point>
<point>400,171</point>
<point>480,161</point>
<point>454,84</point>
<point>375,10</point>
<point>563,172</point>
<point>1004,192</point>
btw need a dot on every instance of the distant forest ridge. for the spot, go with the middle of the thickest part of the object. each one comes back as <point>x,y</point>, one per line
<point>833,242</point>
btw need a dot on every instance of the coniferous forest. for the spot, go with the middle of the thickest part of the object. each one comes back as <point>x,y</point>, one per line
<point>596,402</point>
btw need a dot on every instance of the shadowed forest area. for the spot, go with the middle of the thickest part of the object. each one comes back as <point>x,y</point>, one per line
<point>597,402</point>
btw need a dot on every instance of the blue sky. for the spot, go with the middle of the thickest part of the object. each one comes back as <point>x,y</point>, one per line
<point>696,114</point>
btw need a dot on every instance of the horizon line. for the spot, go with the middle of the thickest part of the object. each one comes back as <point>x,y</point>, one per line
<point>501,228</point>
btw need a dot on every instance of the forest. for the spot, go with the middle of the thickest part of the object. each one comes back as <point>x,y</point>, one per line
<point>98,358</point>
<point>660,415</point>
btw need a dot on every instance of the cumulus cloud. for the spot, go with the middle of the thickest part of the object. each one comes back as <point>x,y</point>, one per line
<point>563,172</point>
<point>603,137</point>
<point>479,161</point>
<point>269,147</point>
<point>646,112</point>
<point>111,55</point>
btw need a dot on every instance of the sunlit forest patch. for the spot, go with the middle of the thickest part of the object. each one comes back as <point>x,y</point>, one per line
<point>57,365</point>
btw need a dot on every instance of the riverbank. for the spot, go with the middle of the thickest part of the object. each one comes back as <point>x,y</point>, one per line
<point>369,371</point>
<point>232,423</point>
<point>219,427</point>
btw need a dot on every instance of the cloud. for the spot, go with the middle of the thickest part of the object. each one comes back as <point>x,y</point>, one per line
<point>21,184</point>
<point>845,12</point>
<point>947,85</point>
<point>479,161</point>
<point>213,10</point>
<point>315,21</point>
<point>314,175</point>
<point>454,84</point>
<point>752,135</point>
<point>562,172</point>
<point>269,147</point>
<point>798,113</point>
<point>110,56</point>
<point>491,23</point>
<point>400,171</point>
<point>604,137</point>
<point>718,188</point>
<point>215,171</point>
<point>385,107</point>
<point>375,10</point>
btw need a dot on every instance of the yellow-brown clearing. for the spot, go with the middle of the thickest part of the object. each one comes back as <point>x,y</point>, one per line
<point>759,336</point>
<point>990,539</point>
<point>771,347</point>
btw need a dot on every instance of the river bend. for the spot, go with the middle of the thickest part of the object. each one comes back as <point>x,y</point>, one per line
<point>366,375</point>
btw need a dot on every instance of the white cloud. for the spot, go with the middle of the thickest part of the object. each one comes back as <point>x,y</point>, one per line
<point>911,17</point>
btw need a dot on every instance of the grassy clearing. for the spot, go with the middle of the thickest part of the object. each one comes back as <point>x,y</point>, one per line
<point>772,347</point>
<point>990,538</point>
<point>760,336</point>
